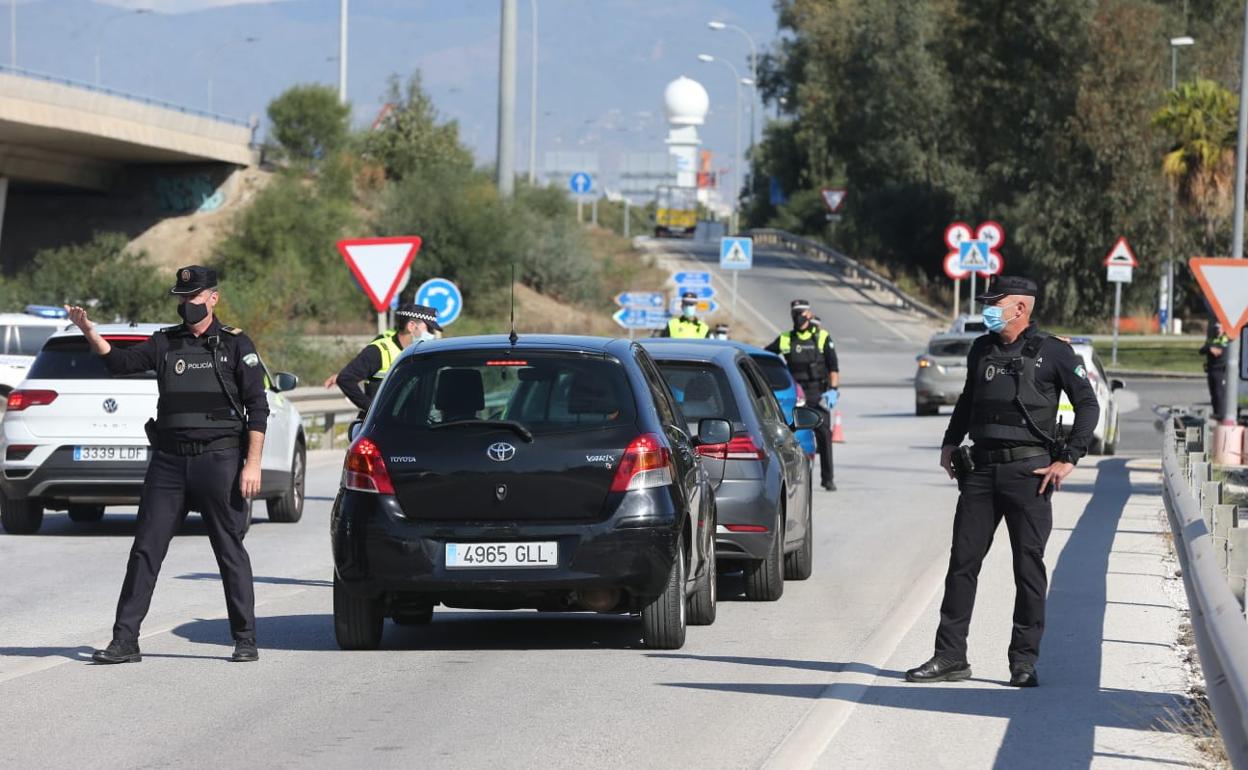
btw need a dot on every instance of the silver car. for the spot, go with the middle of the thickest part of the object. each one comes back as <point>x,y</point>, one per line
<point>942,371</point>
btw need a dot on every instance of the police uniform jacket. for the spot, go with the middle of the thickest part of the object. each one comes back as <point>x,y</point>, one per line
<point>996,373</point>
<point>1215,364</point>
<point>686,328</point>
<point>811,356</point>
<point>192,405</point>
<point>368,369</point>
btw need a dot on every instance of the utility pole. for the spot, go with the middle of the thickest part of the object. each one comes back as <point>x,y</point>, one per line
<point>507,100</point>
<point>342,51</point>
<point>533,97</point>
<point>1175,44</point>
<point>13,34</point>
<point>1230,407</point>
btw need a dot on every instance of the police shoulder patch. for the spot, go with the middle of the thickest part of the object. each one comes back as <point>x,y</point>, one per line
<point>232,330</point>
<point>1081,372</point>
<point>251,359</point>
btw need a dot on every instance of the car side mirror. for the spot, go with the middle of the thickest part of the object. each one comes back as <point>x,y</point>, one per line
<point>713,430</point>
<point>353,430</point>
<point>284,381</point>
<point>1117,385</point>
<point>805,418</point>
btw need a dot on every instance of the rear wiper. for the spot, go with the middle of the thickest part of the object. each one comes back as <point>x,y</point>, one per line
<point>512,425</point>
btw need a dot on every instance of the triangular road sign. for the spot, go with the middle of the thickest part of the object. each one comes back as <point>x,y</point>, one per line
<point>380,264</point>
<point>736,255</point>
<point>834,198</point>
<point>1122,254</point>
<point>1225,284</point>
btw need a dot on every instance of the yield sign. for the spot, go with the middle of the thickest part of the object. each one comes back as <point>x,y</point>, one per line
<point>834,198</point>
<point>1225,284</point>
<point>380,264</point>
<point>1121,254</point>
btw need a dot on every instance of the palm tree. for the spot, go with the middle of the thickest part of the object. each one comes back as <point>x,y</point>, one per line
<point>1200,117</point>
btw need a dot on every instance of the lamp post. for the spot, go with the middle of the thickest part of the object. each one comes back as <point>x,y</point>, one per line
<point>214,52</point>
<point>1175,44</point>
<point>719,25</point>
<point>507,99</point>
<point>100,34</point>
<point>736,168</point>
<point>533,96</point>
<point>342,51</point>
<point>1230,406</point>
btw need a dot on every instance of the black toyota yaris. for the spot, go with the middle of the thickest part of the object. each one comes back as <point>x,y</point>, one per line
<point>555,473</point>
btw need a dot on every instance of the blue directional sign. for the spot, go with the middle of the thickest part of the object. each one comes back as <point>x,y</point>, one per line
<point>640,318</point>
<point>705,306</point>
<point>641,299</point>
<point>687,278</point>
<point>580,183</point>
<point>443,296</point>
<point>736,253</point>
<point>703,292</point>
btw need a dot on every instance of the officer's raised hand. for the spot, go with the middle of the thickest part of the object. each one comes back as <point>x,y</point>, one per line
<point>78,317</point>
<point>1053,474</point>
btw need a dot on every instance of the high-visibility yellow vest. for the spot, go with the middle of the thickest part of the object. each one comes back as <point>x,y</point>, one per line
<point>390,350</point>
<point>678,328</point>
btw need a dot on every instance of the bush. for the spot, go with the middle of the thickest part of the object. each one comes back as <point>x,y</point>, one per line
<point>102,273</point>
<point>309,123</point>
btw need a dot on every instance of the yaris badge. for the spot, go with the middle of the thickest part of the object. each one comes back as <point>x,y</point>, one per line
<point>501,452</point>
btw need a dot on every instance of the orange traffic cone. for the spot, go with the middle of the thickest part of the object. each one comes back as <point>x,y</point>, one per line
<point>838,434</point>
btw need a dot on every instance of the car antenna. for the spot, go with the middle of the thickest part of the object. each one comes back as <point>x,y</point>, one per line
<point>513,337</point>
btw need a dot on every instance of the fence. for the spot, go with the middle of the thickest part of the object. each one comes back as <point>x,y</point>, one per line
<point>1213,552</point>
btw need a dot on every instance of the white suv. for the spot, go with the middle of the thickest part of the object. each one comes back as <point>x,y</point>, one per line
<point>1105,434</point>
<point>21,336</point>
<point>72,437</point>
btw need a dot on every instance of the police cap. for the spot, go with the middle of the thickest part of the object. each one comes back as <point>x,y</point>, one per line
<point>1006,286</point>
<point>689,298</point>
<point>193,279</point>
<point>799,305</point>
<point>413,312</point>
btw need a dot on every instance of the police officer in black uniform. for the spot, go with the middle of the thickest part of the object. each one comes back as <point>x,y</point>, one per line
<point>361,378</point>
<point>1015,378</point>
<point>811,356</point>
<point>1214,351</point>
<point>207,439</point>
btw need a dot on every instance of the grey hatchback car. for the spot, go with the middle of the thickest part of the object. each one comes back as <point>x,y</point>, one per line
<point>942,371</point>
<point>761,476</point>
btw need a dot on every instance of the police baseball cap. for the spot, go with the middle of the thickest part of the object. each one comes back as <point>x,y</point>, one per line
<point>1008,285</point>
<point>193,279</point>
<point>689,298</point>
<point>413,312</point>
<point>799,305</point>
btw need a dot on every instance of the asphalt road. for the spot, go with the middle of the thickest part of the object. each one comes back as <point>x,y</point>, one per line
<point>480,689</point>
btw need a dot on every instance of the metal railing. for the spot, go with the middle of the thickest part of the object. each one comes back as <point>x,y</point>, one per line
<point>1212,549</point>
<point>853,270</point>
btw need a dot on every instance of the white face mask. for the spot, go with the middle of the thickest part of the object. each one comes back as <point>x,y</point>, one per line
<point>426,335</point>
<point>689,311</point>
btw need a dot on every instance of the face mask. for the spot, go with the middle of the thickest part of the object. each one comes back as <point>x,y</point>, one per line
<point>993,318</point>
<point>689,311</point>
<point>426,336</point>
<point>799,320</point>
<point>192,312</point>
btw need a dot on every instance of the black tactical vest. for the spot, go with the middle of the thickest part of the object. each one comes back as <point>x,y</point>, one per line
<point>804,355</point>
<point>190,391</point>
<point>1001,383</point>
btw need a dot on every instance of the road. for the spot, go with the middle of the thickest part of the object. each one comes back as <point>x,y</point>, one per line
<point>810,680</point>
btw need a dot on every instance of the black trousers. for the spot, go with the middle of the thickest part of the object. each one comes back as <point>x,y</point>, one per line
<point>823,434</point>
<point>1217,390</point>
<point>207,483</point>
<point>990,493</point>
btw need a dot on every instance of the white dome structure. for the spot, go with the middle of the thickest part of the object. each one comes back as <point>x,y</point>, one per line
<point>685,101</point>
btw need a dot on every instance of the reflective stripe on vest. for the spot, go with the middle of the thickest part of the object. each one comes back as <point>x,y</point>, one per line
<point>994,415</point>
<point>678,328</point>
<point>805,357</point>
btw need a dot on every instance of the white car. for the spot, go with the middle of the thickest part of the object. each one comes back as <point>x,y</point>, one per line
<point>967,324</point>
<point>73,440</point>
<point>21,336</point>
<point>1105,435</point>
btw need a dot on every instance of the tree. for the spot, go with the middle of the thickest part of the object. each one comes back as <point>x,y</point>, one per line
<point>407,137</point>
<point>309,122</point>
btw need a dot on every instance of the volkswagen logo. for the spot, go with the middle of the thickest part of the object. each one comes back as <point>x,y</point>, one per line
<point>501,452</point>
<point>110,405</point>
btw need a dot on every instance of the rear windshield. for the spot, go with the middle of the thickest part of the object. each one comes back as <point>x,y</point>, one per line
<point>22,340</point>
<point>702,390</point>
<point>546,393</point>
<point>69,358</point>
<point>950,348</point>
<point>776,372</point>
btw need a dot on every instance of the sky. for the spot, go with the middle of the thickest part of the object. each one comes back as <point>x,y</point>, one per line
<point>602,64</point>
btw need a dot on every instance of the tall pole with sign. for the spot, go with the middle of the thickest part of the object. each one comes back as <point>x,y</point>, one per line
<point>1119,264</point>
<point>380,267</point>
<point>736,254</point>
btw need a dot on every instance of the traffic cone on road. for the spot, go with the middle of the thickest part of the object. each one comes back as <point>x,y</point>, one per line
<point>838,433</point>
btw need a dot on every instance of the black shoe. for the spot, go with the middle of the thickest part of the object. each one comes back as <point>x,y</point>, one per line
<point>940,669</point>
<point>829,486</point>
<point>245,651</point>
<point>118,651</point>
<point>1023,675</point>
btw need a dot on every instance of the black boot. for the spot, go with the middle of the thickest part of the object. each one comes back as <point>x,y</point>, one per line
<point>940,669</point>
<point>245,651</point>
<point>1023,675</point>
<point>118,651</point>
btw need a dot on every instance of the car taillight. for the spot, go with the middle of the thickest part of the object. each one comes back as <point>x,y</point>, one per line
<point>647,463</point>
<point>745,528</point>
<point>18,451</point>
<point>21,399</point>
<point>365,471</point>
<point>741,447</point>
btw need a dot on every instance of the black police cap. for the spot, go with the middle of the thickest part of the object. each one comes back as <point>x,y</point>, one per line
<point>1006,286</point>
<point>193,279</point>
<point>414,312</point>
<point>689,298</point>
<point>799,304</point>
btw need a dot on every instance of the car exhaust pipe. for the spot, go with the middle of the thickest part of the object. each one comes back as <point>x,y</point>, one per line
<point>598,599</point>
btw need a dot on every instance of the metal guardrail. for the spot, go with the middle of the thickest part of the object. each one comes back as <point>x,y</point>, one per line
<point>853,269</point>
<point>1213,553</point>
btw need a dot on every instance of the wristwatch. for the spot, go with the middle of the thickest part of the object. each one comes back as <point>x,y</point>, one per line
<point>1069,455</point>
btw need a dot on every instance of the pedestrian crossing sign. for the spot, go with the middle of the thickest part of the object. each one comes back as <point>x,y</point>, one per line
<point>736,253</point>
<point>973,256</point>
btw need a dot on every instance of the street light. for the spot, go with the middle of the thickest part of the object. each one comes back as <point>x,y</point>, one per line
<point>533,96</point>
<point>717,26</point>
<point>214,52</point>
<point>100,35</point>
<point>736,168</point>
<point>1175,44</point>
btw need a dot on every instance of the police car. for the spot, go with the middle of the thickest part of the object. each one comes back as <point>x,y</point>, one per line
<point>21,336</point>
<point>1105,435</point>
<point>72,436</point>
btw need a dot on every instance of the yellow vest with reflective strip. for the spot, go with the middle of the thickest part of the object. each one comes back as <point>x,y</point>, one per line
<point>680,329</point>
<point>786,341</point>
<point>389,351</point>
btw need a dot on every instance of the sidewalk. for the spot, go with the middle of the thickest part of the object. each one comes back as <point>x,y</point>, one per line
<point>1109,672</point>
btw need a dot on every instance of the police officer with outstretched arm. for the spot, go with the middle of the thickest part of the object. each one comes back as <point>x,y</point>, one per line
<point>360,379</point>
<point>207,439</point>
<point>811,356</point>
<point>1214,351</point>
<point>1015,378</point>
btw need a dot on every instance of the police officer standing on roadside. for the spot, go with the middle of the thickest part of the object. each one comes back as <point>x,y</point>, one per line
<point>1214,351</point>
<point>360,379</point>
<point>207,440</point>
<point>1015,378</point>
<point>811,356</point>
<point>687,325</point>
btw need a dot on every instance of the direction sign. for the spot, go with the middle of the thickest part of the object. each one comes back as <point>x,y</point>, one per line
<point>1225,284</point>
<point>444,297</point>
<point>641,299</point>
<point>639,318</point>
<point>736,253</point>
<point>687,278</point>
<point>834,198</point>
<point>702,292</point>
<point>580,183</point>
<point>379,264</point>
<point>705,306</point>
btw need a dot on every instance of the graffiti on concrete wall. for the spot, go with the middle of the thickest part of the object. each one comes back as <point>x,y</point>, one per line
<point>189,193</point>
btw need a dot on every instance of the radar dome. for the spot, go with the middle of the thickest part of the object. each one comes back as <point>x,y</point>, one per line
<point>685,102</point>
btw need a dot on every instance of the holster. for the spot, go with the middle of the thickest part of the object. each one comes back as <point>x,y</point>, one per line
<point>962,462</point>
<point>149,428</point>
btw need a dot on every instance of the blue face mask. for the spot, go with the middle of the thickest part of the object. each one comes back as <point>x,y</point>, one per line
<point>689,311</point>
<point>993,318</point>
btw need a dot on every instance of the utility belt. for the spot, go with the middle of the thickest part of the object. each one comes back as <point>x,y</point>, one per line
<point>185,448</point>
<point>1013,454</point>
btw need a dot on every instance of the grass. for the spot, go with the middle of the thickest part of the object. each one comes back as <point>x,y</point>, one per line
<point>1180,356</point>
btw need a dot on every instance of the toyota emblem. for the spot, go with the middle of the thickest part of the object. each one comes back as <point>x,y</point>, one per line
<point>501,452</point>
<point>110,405</point>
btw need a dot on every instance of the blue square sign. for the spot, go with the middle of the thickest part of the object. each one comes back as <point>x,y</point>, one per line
<point>736,253</point>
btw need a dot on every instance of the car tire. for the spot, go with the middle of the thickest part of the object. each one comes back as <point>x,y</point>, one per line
<point>358,620</point>
<point>414,616</point>
<point>20,516</point>
<point>84,513</point>
<point>799,564</point>
<point>702,603</point>
<point>289,507</point>
<point>764,578</point>
<point>664,620</point>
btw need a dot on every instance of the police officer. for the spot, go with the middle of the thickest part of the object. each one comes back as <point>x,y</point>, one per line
<point>720,332</point>
<point>687,325</point>
<point>1015,378</point>
<point>811,356</point>
<point>1214,351</point>
<point>360,379</point>
<point>207,439</point>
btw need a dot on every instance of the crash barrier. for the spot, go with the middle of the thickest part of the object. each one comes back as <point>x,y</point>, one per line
<point>1212,549</point>
<point>852,270</point>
